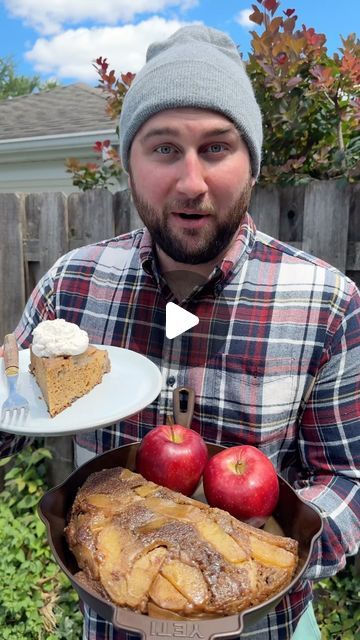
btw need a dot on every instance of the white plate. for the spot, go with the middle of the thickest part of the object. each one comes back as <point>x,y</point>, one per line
<point>132,384</point>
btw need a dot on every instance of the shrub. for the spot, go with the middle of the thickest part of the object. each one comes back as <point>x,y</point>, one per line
<point>337,605</point>
<point>310,101</point>
<point>108,170</point>
<point>37,602</point>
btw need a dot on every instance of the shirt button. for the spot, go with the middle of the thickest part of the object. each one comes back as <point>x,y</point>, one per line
<point>171,381</point>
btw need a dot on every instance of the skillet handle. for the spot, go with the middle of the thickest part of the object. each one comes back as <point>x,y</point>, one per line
<point>183,405</point>
<point>158,629</point>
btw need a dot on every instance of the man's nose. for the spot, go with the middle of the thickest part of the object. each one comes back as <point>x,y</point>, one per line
<point>192,177</point>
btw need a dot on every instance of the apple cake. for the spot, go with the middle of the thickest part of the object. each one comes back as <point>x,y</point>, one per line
<point>157,552</point>
<point>64,379</point>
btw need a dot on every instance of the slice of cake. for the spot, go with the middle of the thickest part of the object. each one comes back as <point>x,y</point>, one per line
<point>62,374</point>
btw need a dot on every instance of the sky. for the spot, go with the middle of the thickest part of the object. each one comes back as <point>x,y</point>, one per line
<point>59,39</point>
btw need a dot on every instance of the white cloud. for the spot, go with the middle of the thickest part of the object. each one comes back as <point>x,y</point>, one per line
<point>71,53</point>
<point>243,18</point>
<point>48,16</point>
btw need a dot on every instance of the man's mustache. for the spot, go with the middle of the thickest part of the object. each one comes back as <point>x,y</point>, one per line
<point>189,204</point>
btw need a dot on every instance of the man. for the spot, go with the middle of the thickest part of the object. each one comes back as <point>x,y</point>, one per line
<point>284,375</point>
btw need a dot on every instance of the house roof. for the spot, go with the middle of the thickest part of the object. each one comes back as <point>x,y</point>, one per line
<point>70,109</point>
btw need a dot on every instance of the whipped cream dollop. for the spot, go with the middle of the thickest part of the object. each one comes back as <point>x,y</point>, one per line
<point>59,338</point>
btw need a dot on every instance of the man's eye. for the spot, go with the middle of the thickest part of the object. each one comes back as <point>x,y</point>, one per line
<point>164,149</point>
<point>216,147</point>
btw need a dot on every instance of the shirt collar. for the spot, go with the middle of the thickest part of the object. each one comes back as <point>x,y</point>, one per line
<point>240,248</point>
<point>147,256</point>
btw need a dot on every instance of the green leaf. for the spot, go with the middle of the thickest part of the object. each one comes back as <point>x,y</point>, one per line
<point>4,461</point>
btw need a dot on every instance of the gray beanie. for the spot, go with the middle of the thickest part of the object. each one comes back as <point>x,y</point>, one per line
<point>195,67</point>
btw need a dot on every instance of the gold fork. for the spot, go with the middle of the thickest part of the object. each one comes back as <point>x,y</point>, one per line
<point>14,403</point>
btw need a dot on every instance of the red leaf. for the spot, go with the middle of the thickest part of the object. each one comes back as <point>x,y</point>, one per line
<point>267,68</point>
<point>350,65</point>
<point>313,38</point>
<point>275,25</point>
<point>111,77</point>
<point>323,76</point>
<point>293,82</point>
<point>257,16</point>
<point>289,24</point>
<point>102,63</point>
<point>282,58</point>
<point>271,5</point>
<point>127,78</point>
<point>289,12</point>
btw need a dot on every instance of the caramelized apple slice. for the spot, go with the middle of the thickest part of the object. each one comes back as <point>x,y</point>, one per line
<point>114,584</point>
<point>100,500</point>
<point>164,594</point>
<point>126,474</point>
<point>152,525</point>
<point>271,555</point>
<point>146,489</point>
<point>86,560</point>
<point>197,504</point>
<point>142,574</point>
<point>186,579</point>
<point>110,544</point>
<point>111,541</point>
<point>91,523</point>
<point>109,503</point>
<point>221,541</point>
<point>116,549</point>
<point>183,512</point>
<point>130,588</point>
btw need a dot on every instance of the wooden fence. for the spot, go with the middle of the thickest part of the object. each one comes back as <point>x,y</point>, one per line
<point>322,218</point>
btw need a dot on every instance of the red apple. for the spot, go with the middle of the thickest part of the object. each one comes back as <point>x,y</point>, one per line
<point>172,456</point>
<point>242,481</point>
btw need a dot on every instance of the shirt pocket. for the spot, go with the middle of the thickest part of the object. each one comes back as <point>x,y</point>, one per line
<point>255,396</point>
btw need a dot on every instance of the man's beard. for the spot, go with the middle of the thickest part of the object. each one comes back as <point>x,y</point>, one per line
<point>209,244</point>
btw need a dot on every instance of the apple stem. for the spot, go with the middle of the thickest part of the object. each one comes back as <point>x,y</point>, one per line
<point>170,423</point>
<point>239,467</point>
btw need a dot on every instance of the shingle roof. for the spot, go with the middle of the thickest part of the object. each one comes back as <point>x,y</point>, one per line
<point>75,108</point>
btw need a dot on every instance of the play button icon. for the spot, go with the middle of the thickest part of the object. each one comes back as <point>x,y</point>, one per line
<point>178,320</point>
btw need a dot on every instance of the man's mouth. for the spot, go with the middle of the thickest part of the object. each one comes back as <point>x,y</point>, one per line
<point>191,216</point>
<point>191,219</point>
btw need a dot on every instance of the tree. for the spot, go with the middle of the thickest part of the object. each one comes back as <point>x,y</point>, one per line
<point>12,85</point>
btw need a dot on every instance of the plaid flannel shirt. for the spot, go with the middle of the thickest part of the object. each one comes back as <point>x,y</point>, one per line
<point>274,361</point>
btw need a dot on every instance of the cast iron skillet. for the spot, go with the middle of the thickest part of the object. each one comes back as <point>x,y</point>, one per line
<point>293,517</point>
